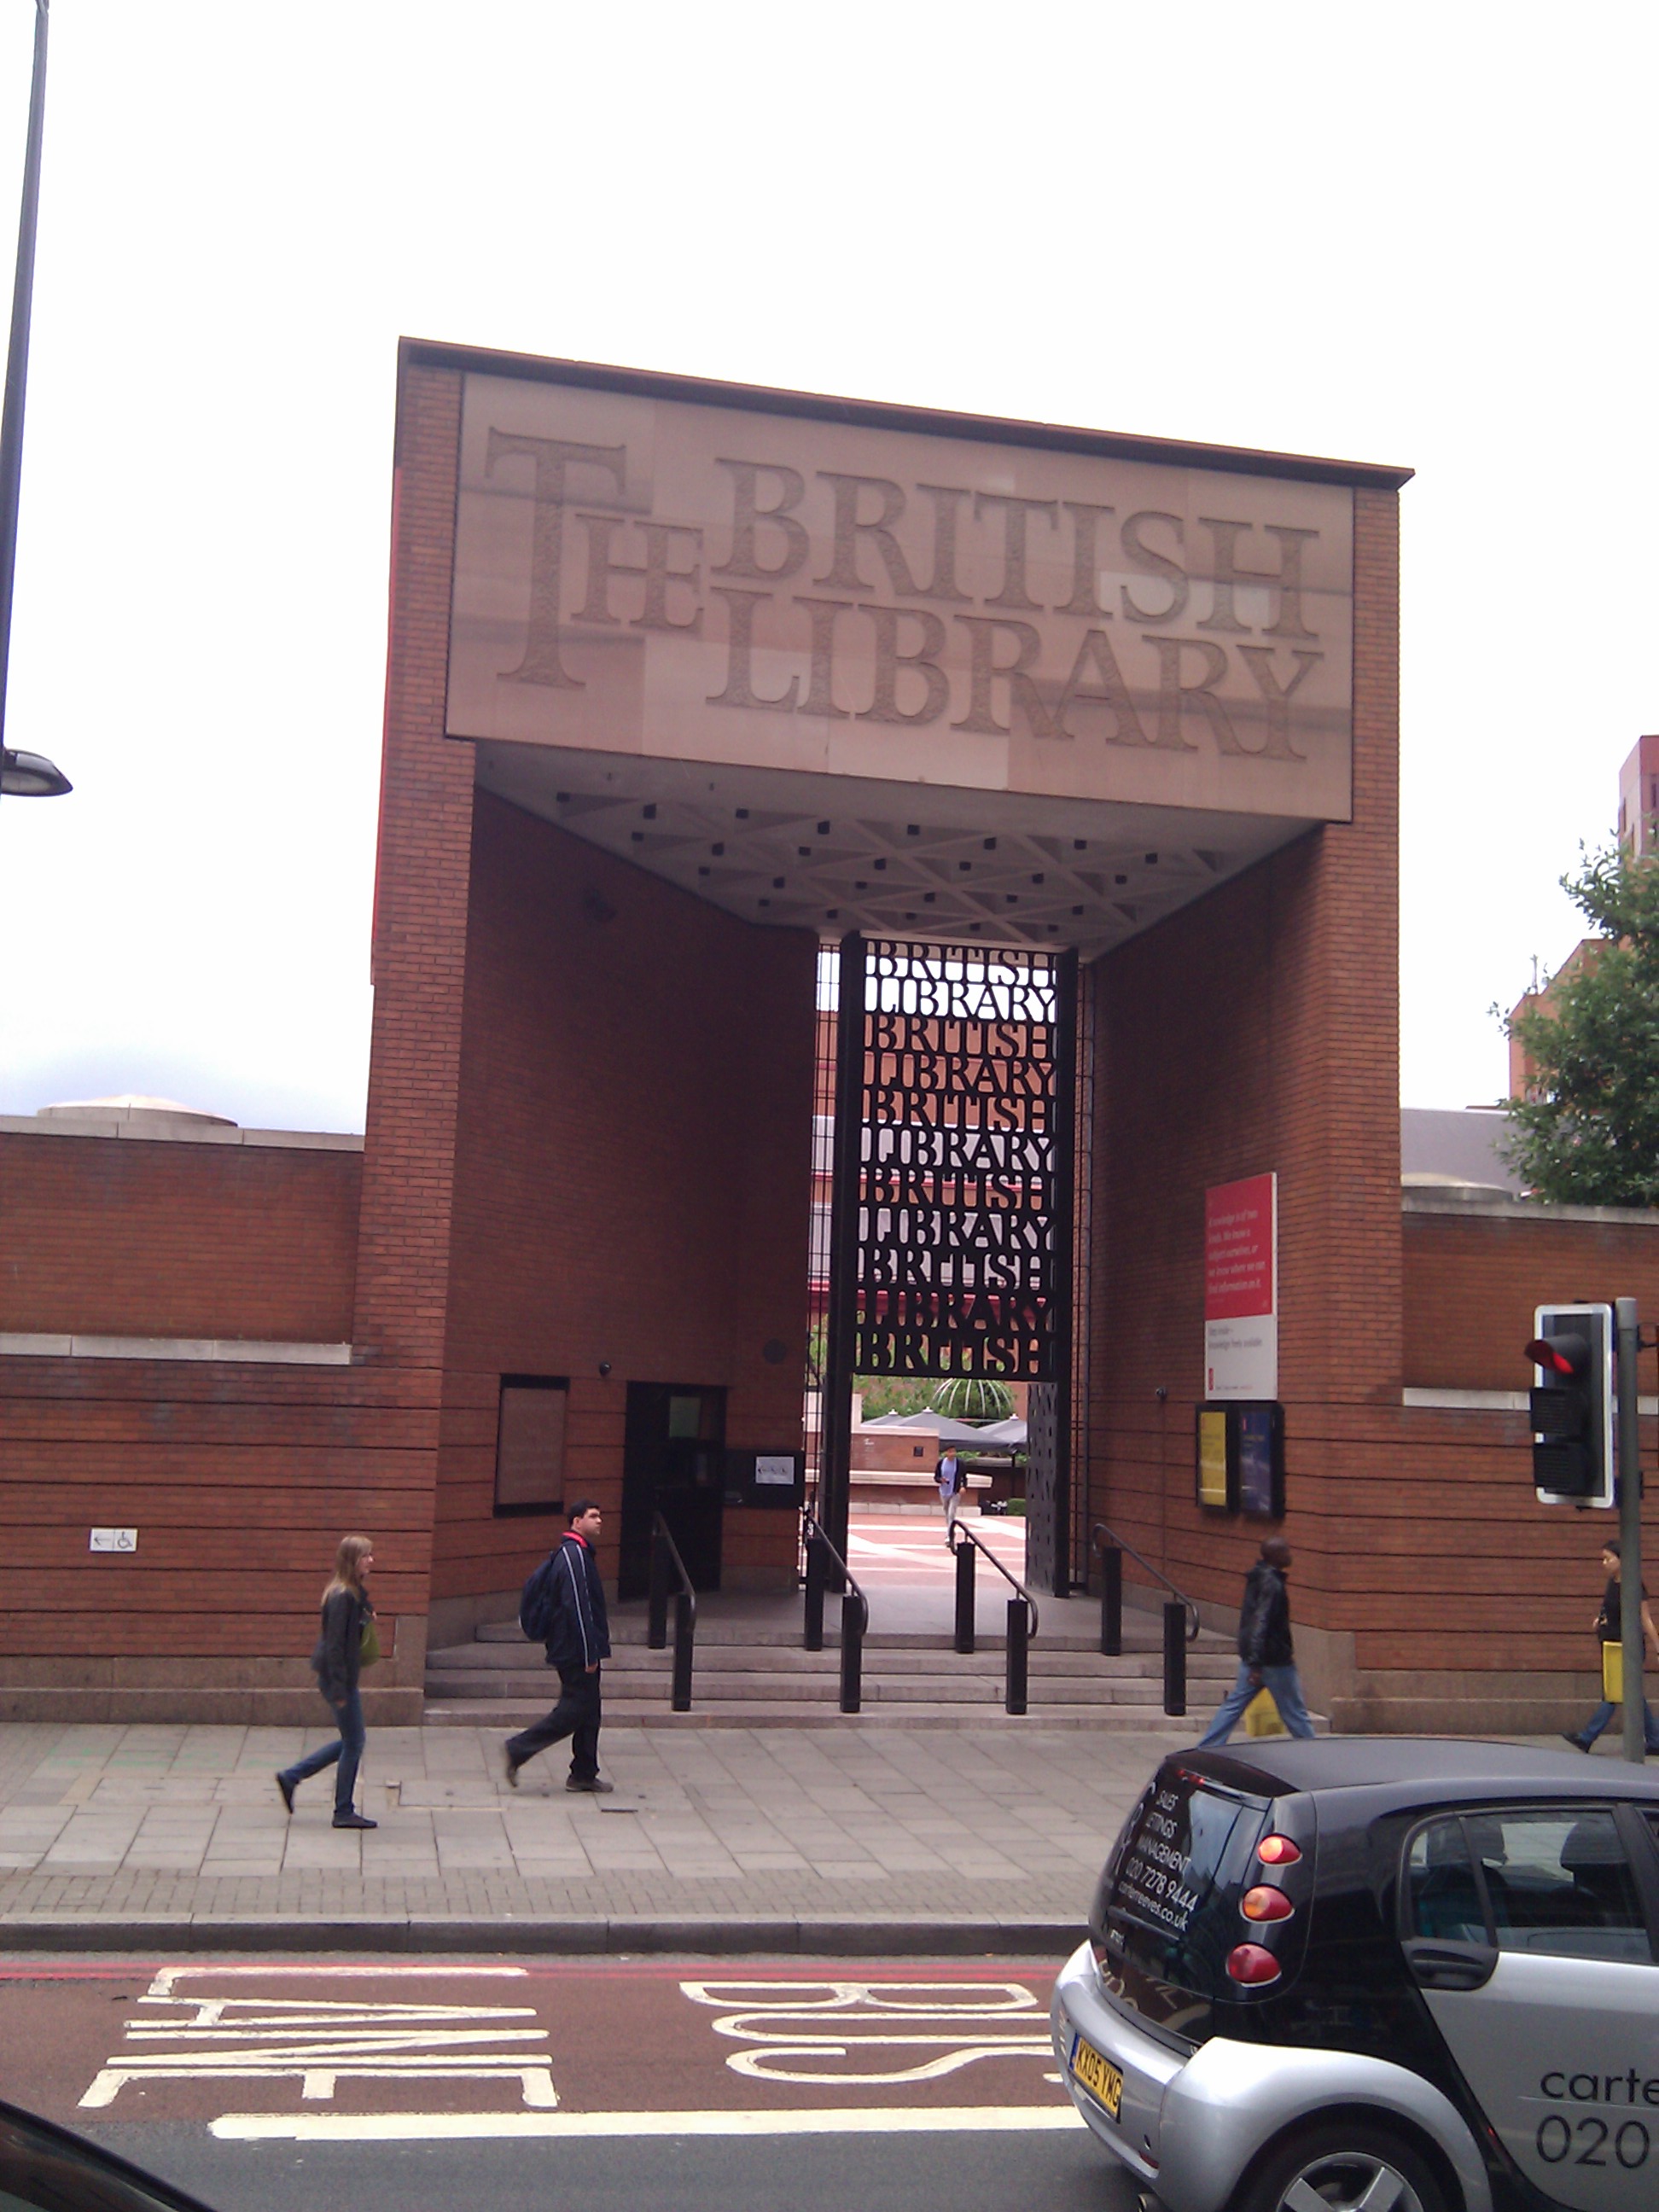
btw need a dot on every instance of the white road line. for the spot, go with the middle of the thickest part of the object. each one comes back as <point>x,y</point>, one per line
<point>521,2127</point>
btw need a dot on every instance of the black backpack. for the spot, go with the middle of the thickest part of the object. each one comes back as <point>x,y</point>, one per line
<point>536,1606</point>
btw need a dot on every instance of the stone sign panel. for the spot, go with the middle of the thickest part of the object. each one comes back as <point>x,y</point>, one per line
<point>675,580</point>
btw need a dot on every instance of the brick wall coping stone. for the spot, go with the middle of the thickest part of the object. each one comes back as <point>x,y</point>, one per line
<point>1496,1205</point>
<point>266,1351</point>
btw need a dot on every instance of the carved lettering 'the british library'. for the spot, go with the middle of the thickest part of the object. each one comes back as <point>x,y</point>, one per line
<point>647,576</point>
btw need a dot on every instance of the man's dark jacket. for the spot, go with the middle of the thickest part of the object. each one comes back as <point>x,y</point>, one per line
<point>1264,1623</point>
<point>578,1634</point>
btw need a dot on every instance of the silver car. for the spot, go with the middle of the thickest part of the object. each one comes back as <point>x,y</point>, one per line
<point>1376,1976</point>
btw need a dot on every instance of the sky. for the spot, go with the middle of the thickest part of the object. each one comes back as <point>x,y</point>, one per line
<point>1421,235</point>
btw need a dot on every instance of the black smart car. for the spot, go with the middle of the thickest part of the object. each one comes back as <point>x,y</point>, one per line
<point>1377,1975</point>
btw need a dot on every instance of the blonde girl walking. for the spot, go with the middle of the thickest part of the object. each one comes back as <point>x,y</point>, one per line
<point>337,1661</point>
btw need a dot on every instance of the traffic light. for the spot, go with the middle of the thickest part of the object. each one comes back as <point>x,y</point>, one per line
<point>1571,1404</point>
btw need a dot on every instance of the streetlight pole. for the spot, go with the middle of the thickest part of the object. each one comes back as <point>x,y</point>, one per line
<point>25,776</point>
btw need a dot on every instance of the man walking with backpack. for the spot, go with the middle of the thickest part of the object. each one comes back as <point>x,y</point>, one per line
<point>563,1605</point>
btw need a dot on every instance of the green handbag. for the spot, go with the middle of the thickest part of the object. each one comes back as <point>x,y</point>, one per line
<point>368,1647</point>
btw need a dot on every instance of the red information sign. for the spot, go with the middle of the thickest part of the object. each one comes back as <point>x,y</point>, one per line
<point>1238,1249</point>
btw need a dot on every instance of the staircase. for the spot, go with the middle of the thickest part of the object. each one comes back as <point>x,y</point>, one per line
<point>750,1672</point>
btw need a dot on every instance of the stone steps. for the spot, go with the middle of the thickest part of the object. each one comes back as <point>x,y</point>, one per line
<point>750,1671</point>
<point>518,1687</point>
<point>512,1713</point>
<point>731,1662</point>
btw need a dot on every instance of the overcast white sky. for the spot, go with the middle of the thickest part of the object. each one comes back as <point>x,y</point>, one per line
<point>1421,233</point>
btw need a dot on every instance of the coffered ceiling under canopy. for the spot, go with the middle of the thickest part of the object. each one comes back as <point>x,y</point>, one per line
<point>833,854</point>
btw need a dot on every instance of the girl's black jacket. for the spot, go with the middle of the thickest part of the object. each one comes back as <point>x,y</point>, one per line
<point>339,1655</point>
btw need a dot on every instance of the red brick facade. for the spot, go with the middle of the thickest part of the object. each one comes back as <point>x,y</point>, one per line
<point>631,1169</point>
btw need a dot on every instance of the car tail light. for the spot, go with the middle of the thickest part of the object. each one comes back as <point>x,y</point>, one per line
<point>1249,1963</point>
<point>1264,1902</point>
<point>1278,1851</point>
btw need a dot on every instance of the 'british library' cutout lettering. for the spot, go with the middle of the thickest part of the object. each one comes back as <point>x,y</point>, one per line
<point>675,580</point>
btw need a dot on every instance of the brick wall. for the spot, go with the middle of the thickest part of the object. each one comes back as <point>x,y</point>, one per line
<point>1475,1270</point>
<point>121,1238</point>
<point>1254,1031</point>
<point>240,1480</point>
<point>632,1179</point>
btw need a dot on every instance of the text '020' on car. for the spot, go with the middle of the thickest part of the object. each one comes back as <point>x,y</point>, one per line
<point>1377,1975</point>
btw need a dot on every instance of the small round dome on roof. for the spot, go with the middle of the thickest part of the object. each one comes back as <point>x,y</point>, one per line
<point>131,1106</point>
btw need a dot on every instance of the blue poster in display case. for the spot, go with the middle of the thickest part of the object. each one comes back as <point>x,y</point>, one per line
<point>1260,1428</point>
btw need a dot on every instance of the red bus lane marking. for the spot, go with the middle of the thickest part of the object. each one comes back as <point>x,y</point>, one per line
<point>406,2051</point>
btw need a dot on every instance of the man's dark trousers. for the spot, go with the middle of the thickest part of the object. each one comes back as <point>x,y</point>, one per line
<point>575,1716</point>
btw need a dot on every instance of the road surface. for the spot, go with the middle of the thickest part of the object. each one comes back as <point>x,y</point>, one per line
<point>718,2086</point>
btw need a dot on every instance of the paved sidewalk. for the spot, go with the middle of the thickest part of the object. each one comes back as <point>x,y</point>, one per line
<point>734,1840</point>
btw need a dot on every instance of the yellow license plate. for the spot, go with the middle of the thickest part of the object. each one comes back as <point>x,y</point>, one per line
<point>1104,2081</point>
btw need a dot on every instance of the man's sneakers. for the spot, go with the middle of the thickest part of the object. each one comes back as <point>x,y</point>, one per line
<point>1577,1742</point>
<point>594,1784</point>
<point>511,1765</point>
<point>286,1788</point>
<point>354,1821</point>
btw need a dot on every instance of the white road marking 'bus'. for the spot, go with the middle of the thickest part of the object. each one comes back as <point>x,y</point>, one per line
<point>831,2031</point>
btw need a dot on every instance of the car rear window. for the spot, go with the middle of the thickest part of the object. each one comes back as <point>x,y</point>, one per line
<point>1547,1878</point>
<point>1167,1912</point>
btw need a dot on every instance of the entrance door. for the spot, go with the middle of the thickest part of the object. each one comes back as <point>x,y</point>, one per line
<point>672,1464</point>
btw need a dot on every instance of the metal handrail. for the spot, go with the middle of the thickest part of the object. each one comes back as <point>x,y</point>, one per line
<point>810,1527</point>
<point>685,1611</point>
<point>853,1629</point>
<point>1157,1574</point>
<point>957,1529</point>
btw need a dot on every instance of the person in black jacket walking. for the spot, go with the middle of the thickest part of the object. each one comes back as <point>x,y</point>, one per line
<point>1266,1657</point>
<point>336,1662</point>
<point>577,1638</point>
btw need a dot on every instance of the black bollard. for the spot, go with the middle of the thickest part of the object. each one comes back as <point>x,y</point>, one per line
<point>682,1633</point>
<point>854,1619</point>
<point>1019,1630</point>
<point>1111,1603</point>
<point>964,1595</point>
<point>1175,1659</point>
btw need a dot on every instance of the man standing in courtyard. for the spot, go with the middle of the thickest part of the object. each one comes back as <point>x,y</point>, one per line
<point>577,1637</point>
<point>948,1475</point>
<point>1266,1657</point>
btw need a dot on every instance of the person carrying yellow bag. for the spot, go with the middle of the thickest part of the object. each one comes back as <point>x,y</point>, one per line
<point>1610,1627</point>
<point>1267,1656</point>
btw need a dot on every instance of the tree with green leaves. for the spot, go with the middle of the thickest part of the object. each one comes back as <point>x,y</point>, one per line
<point>1588,1133</point>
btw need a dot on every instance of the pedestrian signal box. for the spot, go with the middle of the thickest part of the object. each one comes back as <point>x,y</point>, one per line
<point>1571,1404</point>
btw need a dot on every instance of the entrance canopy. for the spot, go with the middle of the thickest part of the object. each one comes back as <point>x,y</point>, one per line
<point>844,666</point>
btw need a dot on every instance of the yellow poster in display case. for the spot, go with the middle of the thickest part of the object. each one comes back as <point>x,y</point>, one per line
<point>1213,1458</point>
